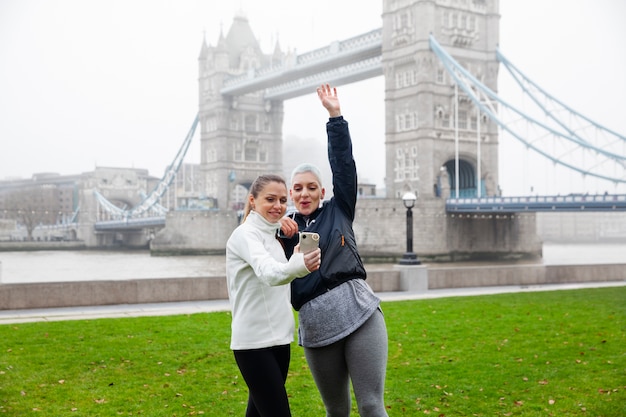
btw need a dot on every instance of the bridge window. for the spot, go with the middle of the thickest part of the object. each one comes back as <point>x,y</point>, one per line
<point>399,171</point>
<point>462,119</point>
<point>406,78</point>
<point>251,125</point>
<point>406,121</point>
<point>405,166</point>
<point>473,123</point>
<point>211,124</point>
<point>411,171</point>
<point>441,76</point>
<point>409,78</point>
<point>251,151</point>
<point>413,120</point>
<point>445,121</point>
<point>403,20</point>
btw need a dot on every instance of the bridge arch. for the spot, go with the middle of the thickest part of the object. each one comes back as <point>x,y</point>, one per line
<point>467,178</point>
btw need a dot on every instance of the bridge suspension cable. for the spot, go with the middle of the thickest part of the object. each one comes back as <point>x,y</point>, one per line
<point>554,109</point>
<point>150,202</point>
<point>602,155</point>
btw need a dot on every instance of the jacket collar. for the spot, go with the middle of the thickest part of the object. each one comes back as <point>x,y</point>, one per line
<point>308,220</point>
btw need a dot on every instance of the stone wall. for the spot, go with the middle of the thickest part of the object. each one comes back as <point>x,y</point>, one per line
<point>582,226</point>
<point>194,232</point>
<point>380,228</point>
<point>382,279</point>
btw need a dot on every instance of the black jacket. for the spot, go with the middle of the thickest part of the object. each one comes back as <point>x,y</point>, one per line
<point>333,221</point>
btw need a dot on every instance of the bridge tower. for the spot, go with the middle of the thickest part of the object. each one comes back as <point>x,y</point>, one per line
<point>241,136</point>
<point>422,138</point>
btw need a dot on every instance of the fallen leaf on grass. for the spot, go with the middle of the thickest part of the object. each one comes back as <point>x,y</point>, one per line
<point>606,391</point>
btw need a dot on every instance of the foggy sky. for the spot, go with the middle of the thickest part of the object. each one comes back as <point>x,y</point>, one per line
<point>114,83</point>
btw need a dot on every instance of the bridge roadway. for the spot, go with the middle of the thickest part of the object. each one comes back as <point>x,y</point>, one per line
<point>568,203</point>
<point>130,223</point>
<point>351,60</point>
<point>575,202</point>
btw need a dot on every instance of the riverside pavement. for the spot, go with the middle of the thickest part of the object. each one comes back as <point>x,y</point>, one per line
<point>193,307</point>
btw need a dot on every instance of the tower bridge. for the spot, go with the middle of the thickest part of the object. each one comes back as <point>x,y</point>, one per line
<point>440,62</point>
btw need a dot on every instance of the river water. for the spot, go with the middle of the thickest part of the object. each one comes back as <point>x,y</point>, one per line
<point>86,265</point>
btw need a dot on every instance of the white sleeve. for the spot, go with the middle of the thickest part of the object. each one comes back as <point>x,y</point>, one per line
<point>251,248</point>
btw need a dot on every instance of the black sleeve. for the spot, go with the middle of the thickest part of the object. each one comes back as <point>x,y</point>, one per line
<point>342,165</point>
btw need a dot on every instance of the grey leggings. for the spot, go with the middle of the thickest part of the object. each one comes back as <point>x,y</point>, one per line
<point>360,357</point>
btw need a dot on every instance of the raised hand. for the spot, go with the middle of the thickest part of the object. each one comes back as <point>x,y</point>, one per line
<point>329,99</point>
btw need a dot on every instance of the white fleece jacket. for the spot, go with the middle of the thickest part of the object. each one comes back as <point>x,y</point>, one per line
<point>257,272</point>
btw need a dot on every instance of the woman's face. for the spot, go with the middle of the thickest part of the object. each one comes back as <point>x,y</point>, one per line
<point>271,203</point>
<point>306,193</point>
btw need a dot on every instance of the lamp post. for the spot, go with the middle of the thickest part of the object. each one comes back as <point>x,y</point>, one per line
<point>409,258</point>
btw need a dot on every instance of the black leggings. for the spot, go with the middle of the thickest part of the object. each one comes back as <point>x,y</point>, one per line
<point>265,372</point>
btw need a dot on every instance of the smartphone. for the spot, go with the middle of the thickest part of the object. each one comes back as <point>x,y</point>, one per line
<point>309,241</point>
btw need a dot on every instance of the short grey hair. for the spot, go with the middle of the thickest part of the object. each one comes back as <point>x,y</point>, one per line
<point>306,167</point>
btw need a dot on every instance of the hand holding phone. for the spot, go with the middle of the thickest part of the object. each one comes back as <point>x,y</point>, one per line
<point>308,241</point>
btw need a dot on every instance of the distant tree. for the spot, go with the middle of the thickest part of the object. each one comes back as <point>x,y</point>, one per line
<point>32,207</point>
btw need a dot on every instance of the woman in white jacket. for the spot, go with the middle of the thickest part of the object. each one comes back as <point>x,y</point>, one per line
<point>262,318</point>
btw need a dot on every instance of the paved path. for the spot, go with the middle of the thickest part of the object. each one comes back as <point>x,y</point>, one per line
<point>191,307</point>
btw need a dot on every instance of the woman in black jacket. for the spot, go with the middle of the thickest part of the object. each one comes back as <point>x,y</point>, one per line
<point>341,326</point>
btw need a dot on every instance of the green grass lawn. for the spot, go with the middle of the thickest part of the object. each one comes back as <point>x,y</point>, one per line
<point>559,353</point>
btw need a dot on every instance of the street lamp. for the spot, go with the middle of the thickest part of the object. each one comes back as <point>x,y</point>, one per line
<point>409,258</point>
